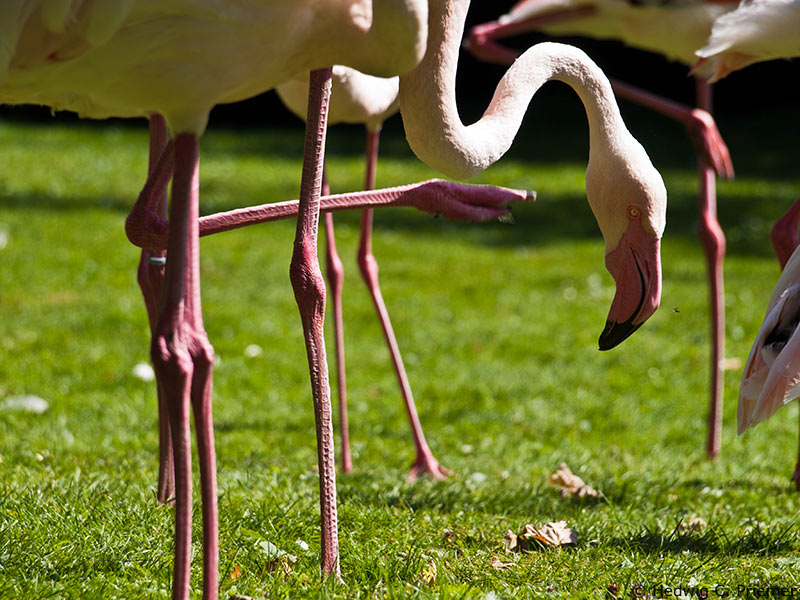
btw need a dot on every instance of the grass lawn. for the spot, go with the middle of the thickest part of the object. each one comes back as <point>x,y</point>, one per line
<point>498,324</point>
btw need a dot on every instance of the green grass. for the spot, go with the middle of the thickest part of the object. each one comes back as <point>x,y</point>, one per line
<point>498,324</point>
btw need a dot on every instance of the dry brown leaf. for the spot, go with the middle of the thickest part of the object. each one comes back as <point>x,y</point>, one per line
<point>499,564</point>
<point>532,538</point>
<point>692,524</point>
<point>284,563</point>
<point>510,541</point>
<point>570,484</point>
<point>236,573</point>
<point>428,575</point>
<point>551,534</point>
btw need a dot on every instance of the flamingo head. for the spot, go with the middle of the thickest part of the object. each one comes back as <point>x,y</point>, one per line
<point>629,201</point>
<point>772,372</point>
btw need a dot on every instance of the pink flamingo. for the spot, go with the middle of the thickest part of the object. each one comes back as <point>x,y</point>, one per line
<point>675,31</point>
<point>147,228</point>
<point>755,32</point>
<point>84,56</point>
<point>360,98</point>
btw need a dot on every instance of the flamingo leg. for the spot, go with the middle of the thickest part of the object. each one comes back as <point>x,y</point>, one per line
<point>335,273</point>
<point>425,462</point>
<point>150,276</point>
<point>712,239</point>
<point>309,291</point>
<point>183,359</point>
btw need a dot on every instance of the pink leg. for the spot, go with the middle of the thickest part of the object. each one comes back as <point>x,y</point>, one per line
<point>150,278</point>
<point>309,291</point>
<point>425,462</point>
<point>699,124</point>
<point>183,359</point>
<point>455,201</point>
<point>713,241</point>
<point>335,272</point>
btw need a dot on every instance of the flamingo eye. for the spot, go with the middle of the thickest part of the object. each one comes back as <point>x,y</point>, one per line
<point>634,212</point>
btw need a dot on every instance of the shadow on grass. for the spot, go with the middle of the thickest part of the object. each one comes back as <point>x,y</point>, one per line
<point>755,540</point>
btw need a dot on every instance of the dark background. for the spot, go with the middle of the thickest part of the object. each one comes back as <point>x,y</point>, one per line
<point>760,87</point>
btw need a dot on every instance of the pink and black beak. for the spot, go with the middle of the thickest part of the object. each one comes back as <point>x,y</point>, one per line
<point>635,265</point>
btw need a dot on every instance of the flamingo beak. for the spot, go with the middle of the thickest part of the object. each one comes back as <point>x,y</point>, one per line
<point>635,265</point>
<point>772,372</point>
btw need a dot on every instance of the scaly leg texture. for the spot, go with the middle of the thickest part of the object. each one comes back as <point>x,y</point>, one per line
<point>712,239</point>
<point>183,359</point>
<point>150,276</point>
<point>309,291</point>
<point>425,462</point>
<point>335,272</point>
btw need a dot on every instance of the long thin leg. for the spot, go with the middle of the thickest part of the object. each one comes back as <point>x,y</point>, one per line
<point>335,273</point>
<point>309,291</point>
<point>182,357</point>
<point>424,462</point>
<point>450,200</point>
<point>150,276</point>
<point>713,241</point>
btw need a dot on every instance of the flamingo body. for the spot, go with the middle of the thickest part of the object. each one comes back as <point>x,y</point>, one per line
<point>673,29</point>
<point>151,60</point>
<point>772,372</point>
<point>756,31</point>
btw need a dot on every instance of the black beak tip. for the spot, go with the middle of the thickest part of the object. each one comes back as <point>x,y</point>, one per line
<point>615,333</point>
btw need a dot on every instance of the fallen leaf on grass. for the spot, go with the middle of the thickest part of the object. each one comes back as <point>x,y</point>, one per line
<point>499,564</point>
<point>692,524</point>
<point>236,573</point>
<point>428,575</point>
<point>277,558</point>
<point>532,538</point>
<point>570,484</point>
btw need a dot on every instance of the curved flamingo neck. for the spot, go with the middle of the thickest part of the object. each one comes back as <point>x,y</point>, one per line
<point>430,115</point>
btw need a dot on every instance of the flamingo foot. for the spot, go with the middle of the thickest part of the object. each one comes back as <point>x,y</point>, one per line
<point>426,464</point>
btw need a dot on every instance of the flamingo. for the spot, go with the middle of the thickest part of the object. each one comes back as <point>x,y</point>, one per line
<point>360,98</point>
<point>86,56</point>
<point>674,30</point>
<point>436,197</point>
<point>755,32</point>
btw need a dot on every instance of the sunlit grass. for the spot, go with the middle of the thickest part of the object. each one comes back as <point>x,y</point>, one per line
<point>498,324</point>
